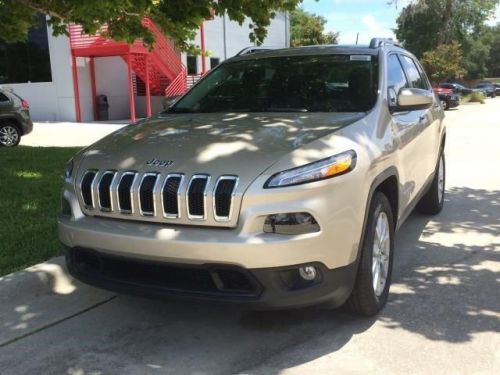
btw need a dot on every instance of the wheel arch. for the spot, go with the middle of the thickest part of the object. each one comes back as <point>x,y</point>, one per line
<point>12,121</point>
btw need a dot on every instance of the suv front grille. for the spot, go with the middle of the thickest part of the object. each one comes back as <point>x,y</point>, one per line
<point>163,198</point>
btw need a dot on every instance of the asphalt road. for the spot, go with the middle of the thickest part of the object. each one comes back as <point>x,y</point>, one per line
<point>443,315</point>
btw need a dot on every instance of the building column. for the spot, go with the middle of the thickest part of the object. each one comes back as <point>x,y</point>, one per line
<point>76,91</point>
<point>93,86</point>
<point>130,88</point>
<point>148,91</point>
<point>202,42</point>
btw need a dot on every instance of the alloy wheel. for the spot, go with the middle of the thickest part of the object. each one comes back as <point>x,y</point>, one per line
<point>381,253</point>
<point>9,135</point>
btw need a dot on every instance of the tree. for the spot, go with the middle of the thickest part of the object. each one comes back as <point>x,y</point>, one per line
<point>444,62</point>
<point>179,19</point>
<point>423,25</point>
<point>309,29</point>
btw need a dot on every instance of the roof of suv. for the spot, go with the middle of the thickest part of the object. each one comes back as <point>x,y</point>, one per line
<point>326,49</point>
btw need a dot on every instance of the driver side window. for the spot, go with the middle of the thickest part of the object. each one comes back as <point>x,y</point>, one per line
<point>396,79</point>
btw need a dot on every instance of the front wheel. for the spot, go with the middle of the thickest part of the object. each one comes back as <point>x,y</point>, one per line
<point>373,280</point>
<point>432,202</point>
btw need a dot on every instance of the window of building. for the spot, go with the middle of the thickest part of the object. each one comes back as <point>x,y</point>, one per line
<point>28,61</point>
<point>192,65</point>
<point>214,61</point>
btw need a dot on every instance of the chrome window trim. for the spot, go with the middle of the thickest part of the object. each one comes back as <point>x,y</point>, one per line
<point>101,208</point>
<point>222,219</point>
<point>179,196</point>
<point>198,217</point>
<point>95,171</point>
<point>131,193</point>
<point>148,213</point>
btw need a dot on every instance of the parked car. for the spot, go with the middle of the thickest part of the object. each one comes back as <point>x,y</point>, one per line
<point>447,98</point>
<point>456,87</point>
<point>497,88</point>
<point>488,89</point>
<point>15,120</point>
<point>279,180</point>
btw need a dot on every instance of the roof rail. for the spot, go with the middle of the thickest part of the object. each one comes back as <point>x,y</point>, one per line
<point>253,49</point>
<point>380,42</point>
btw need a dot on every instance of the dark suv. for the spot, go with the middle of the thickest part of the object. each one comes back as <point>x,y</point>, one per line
<point>15,118</point>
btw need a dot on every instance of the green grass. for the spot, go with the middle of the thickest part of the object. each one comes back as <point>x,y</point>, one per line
<point>31,180</point>
<point>475,97</point>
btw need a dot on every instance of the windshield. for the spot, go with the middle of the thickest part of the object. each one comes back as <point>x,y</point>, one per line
<point>327,83</point>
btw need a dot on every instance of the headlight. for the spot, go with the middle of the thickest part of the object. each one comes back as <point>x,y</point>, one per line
<point>69,169</point>
<point>319,170</point>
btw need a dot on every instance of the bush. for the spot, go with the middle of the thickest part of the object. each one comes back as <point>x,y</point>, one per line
<point>475,97</point>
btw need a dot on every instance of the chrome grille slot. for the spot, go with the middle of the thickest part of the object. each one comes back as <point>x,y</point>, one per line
<point>223,197</point>
<point>125,202</point>
<point>170,196</point>
<point>146,194</point>
<point>86,189</point>
<point>105,191</point>
<point>196,197</point>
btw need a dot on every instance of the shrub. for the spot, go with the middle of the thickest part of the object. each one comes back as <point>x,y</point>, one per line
<point>475,97</point>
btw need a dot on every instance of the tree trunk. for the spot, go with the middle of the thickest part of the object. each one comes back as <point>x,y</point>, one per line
<point>444,33</point>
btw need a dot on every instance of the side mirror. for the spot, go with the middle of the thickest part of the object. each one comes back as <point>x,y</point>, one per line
<point>413,99</point>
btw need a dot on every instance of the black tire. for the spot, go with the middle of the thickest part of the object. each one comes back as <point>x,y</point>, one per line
<point>445,104</point>
<point>7,128</point>
<point>363,299</point>
<point>432,202</point>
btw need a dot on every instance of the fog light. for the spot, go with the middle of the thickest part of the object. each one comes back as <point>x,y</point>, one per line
<point>291,223</point>
<point>308,273</point>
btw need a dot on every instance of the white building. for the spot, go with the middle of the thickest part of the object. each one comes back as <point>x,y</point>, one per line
<point>45,78</point>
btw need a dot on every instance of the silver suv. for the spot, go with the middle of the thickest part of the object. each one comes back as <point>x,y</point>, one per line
<point>279,180</point>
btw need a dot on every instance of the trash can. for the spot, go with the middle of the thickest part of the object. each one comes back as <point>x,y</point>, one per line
<point>102,108</point>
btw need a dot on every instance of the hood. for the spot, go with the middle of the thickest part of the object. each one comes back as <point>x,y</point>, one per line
<point>239,144</point>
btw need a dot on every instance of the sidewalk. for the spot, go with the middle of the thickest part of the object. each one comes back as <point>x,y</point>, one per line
<point>69,134</point>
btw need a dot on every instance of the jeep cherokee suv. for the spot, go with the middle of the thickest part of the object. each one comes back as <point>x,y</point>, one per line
<point>278,180</point>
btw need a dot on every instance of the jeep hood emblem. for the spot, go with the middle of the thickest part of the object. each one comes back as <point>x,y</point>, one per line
<point>159,163</point>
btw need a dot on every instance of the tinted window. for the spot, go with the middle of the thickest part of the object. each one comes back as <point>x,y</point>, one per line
<point>192,65</point>
<point>396,79</point>
<point>28,61</point>
<point>413,74</point>
<point>3,98</point>
<point>214,61</point>
<point>327,83</point>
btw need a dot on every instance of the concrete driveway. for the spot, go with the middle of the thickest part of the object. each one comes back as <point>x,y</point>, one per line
<point>443,315</point>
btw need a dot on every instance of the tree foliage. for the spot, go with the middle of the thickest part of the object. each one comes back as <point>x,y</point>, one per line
<point>179,19</point>
<point>309,29</point>
<point>425,24</point>
<point>444,62</point>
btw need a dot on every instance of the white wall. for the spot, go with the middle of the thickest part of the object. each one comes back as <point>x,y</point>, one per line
<point>52,101</point>
<point>224,44</point>
<point>112,80</point>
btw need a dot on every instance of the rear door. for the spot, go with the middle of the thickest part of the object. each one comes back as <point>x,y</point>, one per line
<point>5,104</point>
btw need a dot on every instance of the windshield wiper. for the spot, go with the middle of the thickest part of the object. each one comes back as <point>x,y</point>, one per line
<point>179,110</point>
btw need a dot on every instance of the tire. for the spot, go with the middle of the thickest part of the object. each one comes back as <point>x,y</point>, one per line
<point>369,294</point>
<point>10,135</point>
<point>432,202</point>
<point>445,104</point>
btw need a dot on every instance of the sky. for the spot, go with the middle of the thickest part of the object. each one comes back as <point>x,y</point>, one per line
<point>368,17</point>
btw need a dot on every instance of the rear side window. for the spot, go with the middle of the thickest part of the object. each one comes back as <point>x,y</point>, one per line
<point>3,98</point>
<point>417,80</point>
<point>396,79</point>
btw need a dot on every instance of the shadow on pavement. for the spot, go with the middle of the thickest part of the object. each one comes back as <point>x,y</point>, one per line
<point>445,287</point>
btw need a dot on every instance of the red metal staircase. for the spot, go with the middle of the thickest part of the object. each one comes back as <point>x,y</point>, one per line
<point>160,68</point>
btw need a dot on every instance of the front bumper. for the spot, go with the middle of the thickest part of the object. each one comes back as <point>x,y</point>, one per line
<point>264,288</point>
